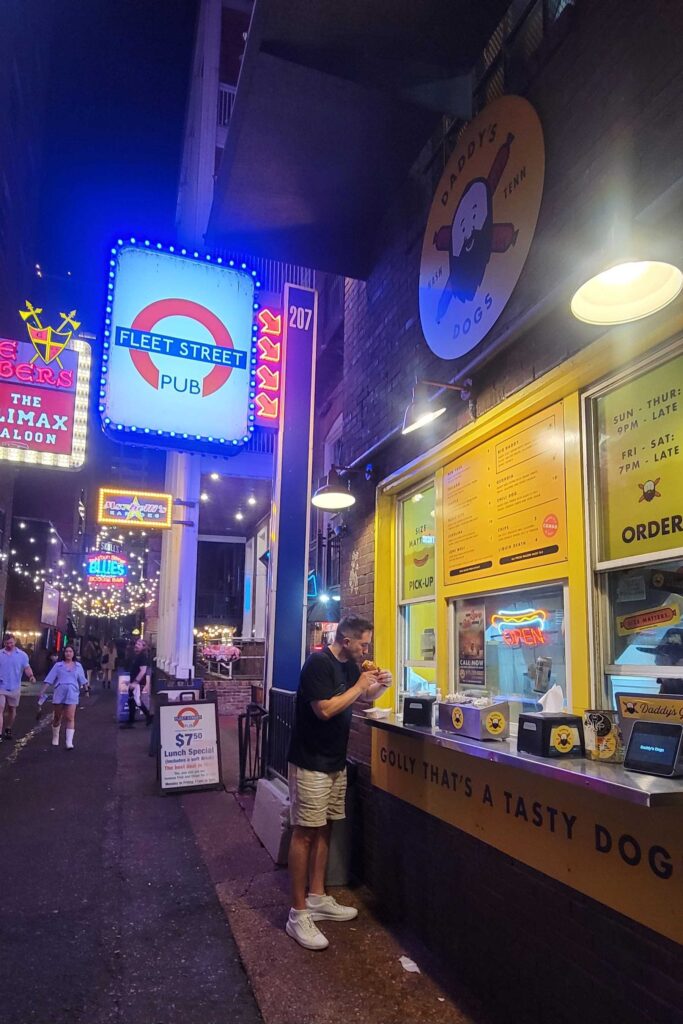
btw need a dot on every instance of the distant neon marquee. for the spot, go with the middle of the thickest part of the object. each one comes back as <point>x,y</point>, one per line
<point>525,628</point>
<point>104,569</point>
<point>142,509</point>
<point>268,368</point>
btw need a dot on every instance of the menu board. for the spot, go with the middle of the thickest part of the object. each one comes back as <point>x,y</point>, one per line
<point>189,755</point>
<point>504,502</point>
<point>639,432</point>
<point>417,579</point>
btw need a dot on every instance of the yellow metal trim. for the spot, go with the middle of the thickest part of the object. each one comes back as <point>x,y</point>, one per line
<point>386,591</point>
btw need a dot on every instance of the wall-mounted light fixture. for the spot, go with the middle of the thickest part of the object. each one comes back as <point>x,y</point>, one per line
<point>421,410</point>
<point>334,493</point>
<point>627,291</point>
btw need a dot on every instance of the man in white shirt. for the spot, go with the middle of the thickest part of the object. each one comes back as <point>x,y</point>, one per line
<point>13,664</point>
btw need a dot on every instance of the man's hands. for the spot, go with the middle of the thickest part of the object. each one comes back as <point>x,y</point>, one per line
<point>365,681</point>
<point>373,684</point>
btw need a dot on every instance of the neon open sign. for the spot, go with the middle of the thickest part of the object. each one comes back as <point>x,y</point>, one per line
<point>105,569</point>
<point>525,628</point>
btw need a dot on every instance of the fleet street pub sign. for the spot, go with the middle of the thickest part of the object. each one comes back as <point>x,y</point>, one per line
<point>179,357</point>
<point>44,393</point>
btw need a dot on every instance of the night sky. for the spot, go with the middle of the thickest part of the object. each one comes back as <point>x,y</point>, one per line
<point>118,85</point>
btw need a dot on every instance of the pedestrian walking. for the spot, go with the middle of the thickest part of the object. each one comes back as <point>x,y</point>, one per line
<point>89,661</point>
<point>109,658</point>
<point>13,664</point>
<point>331,681</point>
<point>138,675</point>
<point>68,678</point>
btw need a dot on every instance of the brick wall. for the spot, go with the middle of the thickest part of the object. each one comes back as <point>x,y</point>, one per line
<point>233,694</point>
<point>609,103</point>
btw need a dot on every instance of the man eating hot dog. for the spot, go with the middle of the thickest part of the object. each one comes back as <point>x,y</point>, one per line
<point>331,681</point>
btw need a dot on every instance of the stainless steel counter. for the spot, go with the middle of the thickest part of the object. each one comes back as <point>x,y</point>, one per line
<point>611,780</point>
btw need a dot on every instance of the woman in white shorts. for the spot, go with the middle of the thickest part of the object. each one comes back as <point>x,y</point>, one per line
<point>68,678</point>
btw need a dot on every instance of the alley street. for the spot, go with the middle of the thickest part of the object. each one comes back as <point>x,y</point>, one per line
<point>108,912</point>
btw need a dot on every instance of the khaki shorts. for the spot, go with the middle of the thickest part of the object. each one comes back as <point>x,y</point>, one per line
<point>316,797</point>
<point>10,697</point>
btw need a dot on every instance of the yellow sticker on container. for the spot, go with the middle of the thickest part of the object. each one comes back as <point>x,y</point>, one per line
<point>606,746</point>
<point>457,718</point>
<point>563,738</point>
<point>495,723</point>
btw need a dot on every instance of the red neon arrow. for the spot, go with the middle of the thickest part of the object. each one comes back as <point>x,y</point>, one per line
<point>269,350</point>
<point>268,380</point>
<point>268,407</point>
<point>270,323</point>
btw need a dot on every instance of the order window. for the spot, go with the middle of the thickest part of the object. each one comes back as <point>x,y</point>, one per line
<point>510,645</point>
<point>634,457</point>
<point>645,629</point>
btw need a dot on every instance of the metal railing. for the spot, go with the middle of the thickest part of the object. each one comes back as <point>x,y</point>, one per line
<point>226,102</point>
<point>252,740</point>
<point>281,721</point>
<point>250,665</point>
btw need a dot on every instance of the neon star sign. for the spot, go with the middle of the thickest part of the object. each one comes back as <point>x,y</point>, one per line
<point>144,509</point>
<point>525,628</point>
<point>268,368</point>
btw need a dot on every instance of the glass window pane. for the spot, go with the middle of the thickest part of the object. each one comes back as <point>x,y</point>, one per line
<point>418,668</point>
<point>420,620</point>
<point>630,684</point>
<point>418,542</point>
<point>512,645</point>
<point>646,613</point>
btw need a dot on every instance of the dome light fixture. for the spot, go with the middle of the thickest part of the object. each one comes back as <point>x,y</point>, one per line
<point>421,410</point>
<point>334,493</point>
<point>627,291</point>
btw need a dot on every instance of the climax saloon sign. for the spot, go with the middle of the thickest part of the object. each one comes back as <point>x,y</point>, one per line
<point>43,397</point>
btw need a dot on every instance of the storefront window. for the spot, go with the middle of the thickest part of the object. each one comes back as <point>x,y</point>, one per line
<point>645,629</point>
<point>510,645</point>
<point>417,608</point>
<point>635,422</point>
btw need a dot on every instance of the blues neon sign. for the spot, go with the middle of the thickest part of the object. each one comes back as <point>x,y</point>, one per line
<point>104,569</point>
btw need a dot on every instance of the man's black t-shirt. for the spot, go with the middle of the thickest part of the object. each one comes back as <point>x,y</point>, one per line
<point>138,661</point>
<point>320,746</point>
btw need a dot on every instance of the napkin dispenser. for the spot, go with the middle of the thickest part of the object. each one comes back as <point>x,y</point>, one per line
<point>419,710</point>
<point>550,735</point>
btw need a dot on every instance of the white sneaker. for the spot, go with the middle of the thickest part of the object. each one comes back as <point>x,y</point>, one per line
<point>326,908</point>
<point>302,930</point>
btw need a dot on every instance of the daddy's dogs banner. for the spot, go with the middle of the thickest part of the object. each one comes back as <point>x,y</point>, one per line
<point>480,227</point>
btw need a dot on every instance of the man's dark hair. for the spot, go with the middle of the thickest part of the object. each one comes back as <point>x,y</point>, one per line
<point>8,636</point>
<point>352,626</point>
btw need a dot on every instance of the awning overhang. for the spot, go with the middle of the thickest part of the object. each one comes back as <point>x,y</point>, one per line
<point>334,104</point>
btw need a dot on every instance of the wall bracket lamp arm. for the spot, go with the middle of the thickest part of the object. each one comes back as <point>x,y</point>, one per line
<point>421,410</point>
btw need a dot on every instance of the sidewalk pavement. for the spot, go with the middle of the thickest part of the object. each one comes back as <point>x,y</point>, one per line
<point>108,914</point>
<point>359,978</point>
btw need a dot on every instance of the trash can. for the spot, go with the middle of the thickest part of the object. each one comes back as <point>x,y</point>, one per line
<point>339,863</point>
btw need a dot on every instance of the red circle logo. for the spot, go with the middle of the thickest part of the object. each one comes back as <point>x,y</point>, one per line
<point>187,718</point>
<point>149,317</point>
<point>550,525</point>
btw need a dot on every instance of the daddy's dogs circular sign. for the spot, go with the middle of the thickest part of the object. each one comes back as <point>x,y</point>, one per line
<point>481,225</point>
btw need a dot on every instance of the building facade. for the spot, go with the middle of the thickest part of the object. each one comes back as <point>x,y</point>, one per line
<point>529,537</point>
